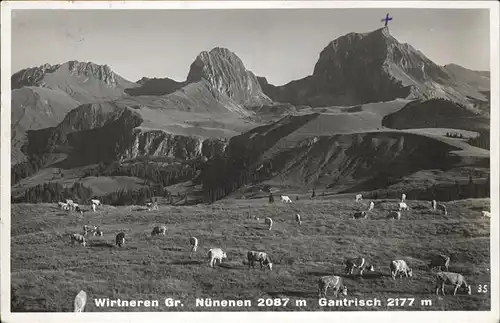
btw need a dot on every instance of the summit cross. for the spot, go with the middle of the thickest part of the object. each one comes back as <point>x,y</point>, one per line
<point>387,19</point>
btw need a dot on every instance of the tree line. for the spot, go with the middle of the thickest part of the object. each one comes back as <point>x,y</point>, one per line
<point>54,192</point>
<point>150,171</point>
<point>26,168</point>
<point>481,141</point>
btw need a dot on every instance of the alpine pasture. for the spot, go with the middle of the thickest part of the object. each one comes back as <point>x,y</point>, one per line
<point>47,271</point>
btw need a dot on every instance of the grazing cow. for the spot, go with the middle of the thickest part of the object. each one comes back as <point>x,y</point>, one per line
<point>359,197</point>
<point>88,228</point>
<point>403,206</point>
<point>78,238</point>
<point>395,215</point>
<point>215,254</point>
<point>159,230</point>
<point>360,215</point>
<point>73,206</point>
<point>120,239</point>
<point>359,263</point>
<point>193,242</point>
<point>442,207</point>
<point>94,207</point>
<point>372,205</point>
<point>400,267</point>
<point>260,257</point>
<point>486,213</point>
<point>80,301</point>
<point>96,202</point>
<point>152,206</point>
<point>434,204</point>
<point>297,219</point>
<point>439,261</point>
<point>97,232</point>
<point>403,197</point>
<point>269,222</point>
<point>285,199</point>
<point>335,282</point>
<point>454,279</point>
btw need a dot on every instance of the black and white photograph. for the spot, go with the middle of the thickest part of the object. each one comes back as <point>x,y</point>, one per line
<point>245,157</point>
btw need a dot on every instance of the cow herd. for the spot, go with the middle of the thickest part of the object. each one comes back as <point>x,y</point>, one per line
<point>217,255</point>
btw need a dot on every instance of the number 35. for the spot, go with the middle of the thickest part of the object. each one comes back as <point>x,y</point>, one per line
<point>482,288</point>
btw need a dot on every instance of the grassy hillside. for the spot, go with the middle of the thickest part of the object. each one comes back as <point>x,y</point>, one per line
<point>436,113</point>
<point>47,271</point>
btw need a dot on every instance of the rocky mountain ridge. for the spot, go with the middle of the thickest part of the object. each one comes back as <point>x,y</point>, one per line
<point>360,68</point>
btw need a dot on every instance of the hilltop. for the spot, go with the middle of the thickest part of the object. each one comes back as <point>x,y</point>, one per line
<point>369,67</point>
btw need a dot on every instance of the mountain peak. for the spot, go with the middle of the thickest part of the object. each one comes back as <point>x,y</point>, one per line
<point>225,74</point>
<point>86,69</point>
<point>38,76</point>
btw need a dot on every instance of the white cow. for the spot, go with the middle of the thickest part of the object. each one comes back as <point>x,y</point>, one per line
<point>297,219</point>
<point>403,206</point>
<point>372,205</point>
<point>96,202</point>
<point>454,279</point>
<point>80,301</point>
<point>269,222</point>
<point>94,207</point>
<point>193,242</point>
<point>442,207</point>
<point>400,267</point>
<point>78,238</point>
<point>335,282</point>
<point>486,213</point>
<point>359,197</point>
<point>403,197</point>
<point>69,201</point>
<point>285,199</point>
<point>215,254</point>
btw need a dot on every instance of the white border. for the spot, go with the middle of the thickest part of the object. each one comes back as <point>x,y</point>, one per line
<point>401,316</point>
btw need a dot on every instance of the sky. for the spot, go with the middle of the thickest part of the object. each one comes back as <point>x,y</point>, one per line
<point>282,45</point>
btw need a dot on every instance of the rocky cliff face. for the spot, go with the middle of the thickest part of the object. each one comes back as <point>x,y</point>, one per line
<point>371,67</point>
<point>73,71</point>
<point>32,76</point>
<point>226,75</point>
<point>161,143</point>
<point>93,133</point>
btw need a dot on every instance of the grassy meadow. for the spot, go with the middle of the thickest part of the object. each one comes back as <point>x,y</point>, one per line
<point>47,271</point>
